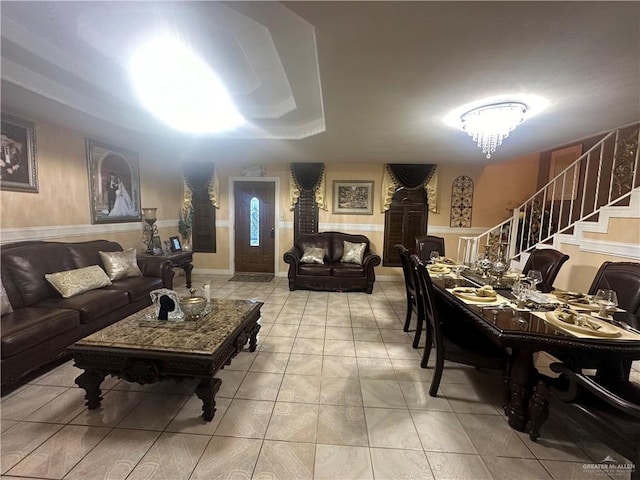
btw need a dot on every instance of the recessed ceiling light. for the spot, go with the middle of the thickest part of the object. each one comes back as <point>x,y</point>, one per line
<point>180,89</point>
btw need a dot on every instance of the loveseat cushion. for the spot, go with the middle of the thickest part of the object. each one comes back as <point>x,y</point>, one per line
<point>314,240</point>
<point>73,282</point>
<point>349,270</point>
<point>337,244</point>
<point>137,287</point>
<point>314,269</point>
<point>30,326</point>
<point>91,305</point>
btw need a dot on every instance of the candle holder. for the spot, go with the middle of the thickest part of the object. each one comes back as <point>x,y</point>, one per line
<point>149,228</point>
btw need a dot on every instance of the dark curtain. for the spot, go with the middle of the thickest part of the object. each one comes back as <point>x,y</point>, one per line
<point>203,233</point>
<point>305,214</point>
<point>307,175</point>
<point>411,175</point>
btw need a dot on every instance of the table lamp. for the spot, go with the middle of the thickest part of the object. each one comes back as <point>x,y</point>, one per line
<point>149,228</point>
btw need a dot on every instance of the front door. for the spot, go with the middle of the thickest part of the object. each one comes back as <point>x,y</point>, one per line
<point>254,226</point>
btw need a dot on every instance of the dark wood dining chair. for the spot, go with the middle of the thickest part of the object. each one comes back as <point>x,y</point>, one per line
<point>608,410</point>
<point>427,244</point>
<point>548,261</point>
<point>624,279</point>
<point>414,303</point>
<point>451,344</point>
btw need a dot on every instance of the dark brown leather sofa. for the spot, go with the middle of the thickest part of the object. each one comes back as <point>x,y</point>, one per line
<point>333,275</point>
<point>43,323</point>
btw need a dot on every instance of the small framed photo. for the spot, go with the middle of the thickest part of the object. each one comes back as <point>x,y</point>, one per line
<point>18,170</point>
<point>175,244</point>
<point>157,245</point>
<point>352,197</point>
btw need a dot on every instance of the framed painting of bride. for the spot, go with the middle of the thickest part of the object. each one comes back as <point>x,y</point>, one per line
<point>114,183</point>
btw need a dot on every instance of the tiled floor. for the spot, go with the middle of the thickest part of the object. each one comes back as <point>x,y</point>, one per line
<point>335,391</point>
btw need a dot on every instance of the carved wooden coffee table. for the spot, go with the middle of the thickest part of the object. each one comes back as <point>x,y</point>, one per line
<point>143,351</point>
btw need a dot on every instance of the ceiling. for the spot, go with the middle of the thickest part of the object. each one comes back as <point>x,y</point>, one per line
<point>333,81</point>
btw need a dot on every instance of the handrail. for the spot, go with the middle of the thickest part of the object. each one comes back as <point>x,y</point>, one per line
<point>602,176</point>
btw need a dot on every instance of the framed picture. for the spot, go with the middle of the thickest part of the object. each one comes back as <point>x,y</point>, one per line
<point>352,197</point>
<point>114,184</point>
<point>175,244</point>
<point>18,171</point>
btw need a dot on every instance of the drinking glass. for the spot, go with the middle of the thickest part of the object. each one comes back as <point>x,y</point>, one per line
<point>521,290</point>
<point>534,277</point>
<point>433,256</point>
<point>607,299</point>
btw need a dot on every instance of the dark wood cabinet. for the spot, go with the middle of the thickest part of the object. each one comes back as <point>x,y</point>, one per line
<point>405,220</point>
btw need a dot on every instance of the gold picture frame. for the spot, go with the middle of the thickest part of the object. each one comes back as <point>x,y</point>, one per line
<point>18,169</point>
<point>352,197</point>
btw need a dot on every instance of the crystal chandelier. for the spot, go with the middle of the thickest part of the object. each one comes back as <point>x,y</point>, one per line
<point>490,125</point>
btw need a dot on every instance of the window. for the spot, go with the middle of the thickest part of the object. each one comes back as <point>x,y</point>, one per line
<point>254,219</point>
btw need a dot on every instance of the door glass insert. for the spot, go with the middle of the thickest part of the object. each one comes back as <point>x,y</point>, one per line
<point>254,219</point>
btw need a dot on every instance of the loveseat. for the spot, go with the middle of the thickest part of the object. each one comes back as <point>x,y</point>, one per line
<point>43,323</point>
<point>328,272</point>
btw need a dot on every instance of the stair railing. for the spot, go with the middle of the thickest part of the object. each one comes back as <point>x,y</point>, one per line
<point>604,175</point>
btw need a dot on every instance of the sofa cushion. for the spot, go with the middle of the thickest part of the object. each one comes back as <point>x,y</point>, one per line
<point>337,244</point>
<point>353,252</point>
<point>30,326</point>
<point>314,269</point>
<point>121,264</point>
<point>314,240</point>
<point>347,270</point>
<point>84,254</point>
<point>73,282</point>
<point>137,287</point>
<point>313,255</point>
<point>92,304</point>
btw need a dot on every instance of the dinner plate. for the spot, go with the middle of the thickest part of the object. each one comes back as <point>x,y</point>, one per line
<point>439,269</point>
<point>592,307</point>
<point>606,329</point>
<point>464,292</point>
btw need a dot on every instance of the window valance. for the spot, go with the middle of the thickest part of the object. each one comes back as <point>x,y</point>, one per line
<point>197,177</point>
<point>308,177</point>
<point>410,176</point>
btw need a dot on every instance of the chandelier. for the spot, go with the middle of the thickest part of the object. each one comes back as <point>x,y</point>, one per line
<point>490,125</point>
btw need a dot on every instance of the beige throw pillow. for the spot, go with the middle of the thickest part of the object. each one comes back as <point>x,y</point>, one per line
<point>73,282</point>
<point>353,252</point>
<point>5,304</point>
<point>121,264</point>
<point>313,255</point>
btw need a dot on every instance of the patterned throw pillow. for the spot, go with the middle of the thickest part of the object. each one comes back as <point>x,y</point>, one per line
<point>4,301</point>
<point>73,282</point>
<point>353,252</point>
<point>121,264</point>
<point>313,255</point>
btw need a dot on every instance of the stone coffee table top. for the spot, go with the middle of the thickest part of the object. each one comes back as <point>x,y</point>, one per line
<point>135,332</point>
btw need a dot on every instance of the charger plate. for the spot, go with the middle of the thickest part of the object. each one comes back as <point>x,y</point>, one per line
<point>439,269</point>
<point>606,329</point>
<point>465,292</point>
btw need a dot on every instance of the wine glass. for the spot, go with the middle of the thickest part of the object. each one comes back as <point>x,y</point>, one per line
<point>607,299</point>
<point>521,290</point>
<point>457,268</point>
<point>433,256</point>
<point>534,277</point>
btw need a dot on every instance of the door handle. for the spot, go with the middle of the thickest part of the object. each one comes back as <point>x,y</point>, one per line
<point>272,233</point>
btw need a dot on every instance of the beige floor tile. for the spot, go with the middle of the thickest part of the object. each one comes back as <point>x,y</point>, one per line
<point>503,468</point>
<point>403,351</point>
<point>260,386</point>
<point>302,364</point>
<point>172,457</point>
<point>342,425</point>
<point>416,394</point>
<point>360,321</point>
<point>246,418</point>
<point>441,432</point>
<point>285,461</point>
<point>338,320</point>
<point>293,422</point>
<point>231,380</point>
<point>381,393</point>
<point>393,335</point>
<point>410,370</point>
<point>60,453</point>
<point>284,330</point>
<point>62,409</point>
<point>340,348</point>
<point>115,405</point>
<point>465,398</point>
<point>492,435</point>
<point>316,318</point>
<point>242,361</point>
<point>371,349</point>
<point>309,346</point>
<point>7,424</point>
<point>276,344</point>
<point>27,400</point>
<point>367,334</point>
<point>341,391</point>
<point>338,462</point>
<point>339,333</point>
<point>457,466</point>
<point>389,323</point>
<point>560,470</point>
<point>189,418</point>
<point>376,368</point>
<point>62,376</point>
<point>154,412</point>
<point>228,458</point>
<point>391,464</point>
<point>21,439</point>
<point>391,428</point>
<point>115,456</point>
<point>339,366</point>
<point>300,389</point>
<point>311,331</point>
<point>270,362</point>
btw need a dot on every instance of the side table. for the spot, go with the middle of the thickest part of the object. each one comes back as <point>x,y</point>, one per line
<point>181,260</point>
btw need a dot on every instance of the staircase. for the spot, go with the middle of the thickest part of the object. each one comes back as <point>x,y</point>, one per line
<point>575,206</point>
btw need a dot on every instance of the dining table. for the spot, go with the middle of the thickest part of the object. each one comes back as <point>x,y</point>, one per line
<point>534,327</point>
